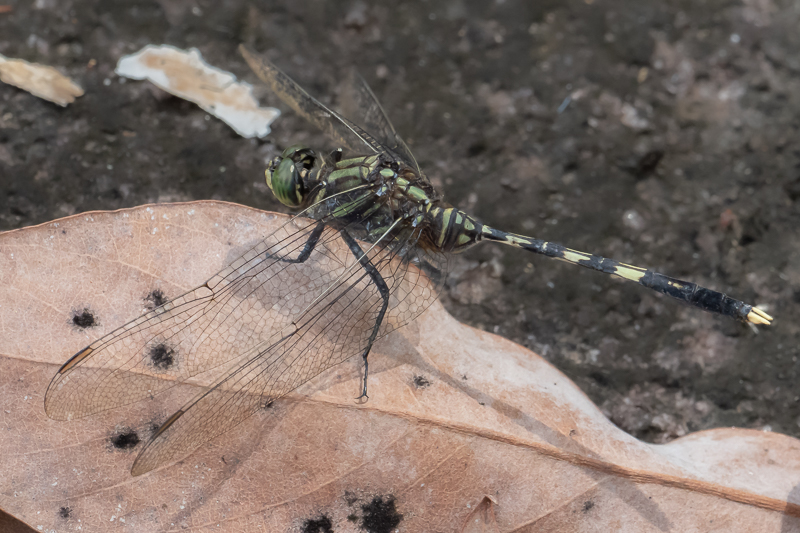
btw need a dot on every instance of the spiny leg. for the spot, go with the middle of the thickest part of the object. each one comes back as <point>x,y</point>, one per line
<point>383,289</point>
<point>335,155</point>
<point>685,291</point>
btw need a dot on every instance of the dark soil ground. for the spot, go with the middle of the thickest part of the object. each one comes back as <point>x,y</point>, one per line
<point>663,134</point>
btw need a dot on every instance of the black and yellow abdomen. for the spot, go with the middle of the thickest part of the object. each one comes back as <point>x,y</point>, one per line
<point>453,229</point>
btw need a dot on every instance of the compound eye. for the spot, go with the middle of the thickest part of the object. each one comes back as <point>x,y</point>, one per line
<point>287,174</point>
<point>286,184</point>
<point>271,168</point>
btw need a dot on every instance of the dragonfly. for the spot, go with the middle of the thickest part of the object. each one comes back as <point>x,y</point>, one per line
<point>367,252</point>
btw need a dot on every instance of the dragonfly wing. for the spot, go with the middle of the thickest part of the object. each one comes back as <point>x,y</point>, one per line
<point>209,327</point>
<point>415,278</point>
<point>339,129</point>
<point>360,106</point>
<point>336,325</point>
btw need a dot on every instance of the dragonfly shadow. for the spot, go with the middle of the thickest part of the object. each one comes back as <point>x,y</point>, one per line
<point>790,523</point>
<point>626,489</point>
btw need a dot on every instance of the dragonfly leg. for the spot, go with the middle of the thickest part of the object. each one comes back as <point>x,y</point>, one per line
<point>311,243</point>
<point>336,155</point>
<point>383,289</point>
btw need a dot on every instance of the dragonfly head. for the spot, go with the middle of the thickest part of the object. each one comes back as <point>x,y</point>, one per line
<point>288,175</point>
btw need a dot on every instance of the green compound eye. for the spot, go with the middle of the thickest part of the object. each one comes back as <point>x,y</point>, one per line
<point>286,174</point>
<point>286,184</point>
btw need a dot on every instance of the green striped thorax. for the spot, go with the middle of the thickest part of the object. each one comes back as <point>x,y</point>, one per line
<point>299,178</point>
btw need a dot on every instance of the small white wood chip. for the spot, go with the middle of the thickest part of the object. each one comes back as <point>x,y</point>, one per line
<point>186,75</point>
<point>39,80</point>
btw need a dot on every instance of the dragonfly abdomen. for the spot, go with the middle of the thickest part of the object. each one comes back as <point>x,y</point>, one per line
<point>453,229</point>
<point>685,291</point>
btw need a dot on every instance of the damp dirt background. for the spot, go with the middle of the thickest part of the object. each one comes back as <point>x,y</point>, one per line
<point>663,134</point>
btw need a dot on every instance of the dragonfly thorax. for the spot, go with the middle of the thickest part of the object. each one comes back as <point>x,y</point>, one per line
<point>371,193</point>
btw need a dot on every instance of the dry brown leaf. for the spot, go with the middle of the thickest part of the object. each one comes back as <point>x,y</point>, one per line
<point>39,80</point>
<point>9,524</point>
<point>493,438</point>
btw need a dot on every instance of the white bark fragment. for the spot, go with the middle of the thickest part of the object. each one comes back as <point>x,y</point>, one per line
<point>185,74</point>
<point>39,80</point>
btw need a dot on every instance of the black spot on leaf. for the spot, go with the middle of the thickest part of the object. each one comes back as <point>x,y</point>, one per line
<point>162,356</point>
<point>350,498</point>
<point>126,440</point>
<point>420,382</point>
<point>84,318</point>
<point>320,525</point>
<point>64,512</point>
<point>156,298</point>
<point>380,516</point>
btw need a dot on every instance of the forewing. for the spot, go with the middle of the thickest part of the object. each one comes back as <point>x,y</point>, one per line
<point>339,129</point>
<point>212,326</point>
<point>337,325</point>
<point>360,106</point>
